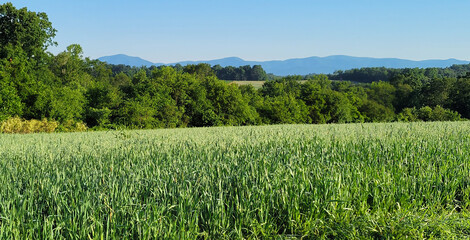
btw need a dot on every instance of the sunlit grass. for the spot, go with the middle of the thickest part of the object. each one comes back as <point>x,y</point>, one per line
<point>393,180</point>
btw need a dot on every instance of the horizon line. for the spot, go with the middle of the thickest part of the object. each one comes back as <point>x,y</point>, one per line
<point>280,60</point>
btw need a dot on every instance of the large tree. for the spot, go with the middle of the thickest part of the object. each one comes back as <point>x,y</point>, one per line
<point>31,31</point>
<point>461,96</point>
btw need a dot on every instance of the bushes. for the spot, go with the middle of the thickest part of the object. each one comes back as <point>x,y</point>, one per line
<point>19,125</point>
<point>427,113</point>
<point>72,126</point>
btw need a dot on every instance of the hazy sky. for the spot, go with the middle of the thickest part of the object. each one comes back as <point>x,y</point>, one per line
<point>174,30</point>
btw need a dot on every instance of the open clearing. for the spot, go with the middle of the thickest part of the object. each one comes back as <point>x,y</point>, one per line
<point>255,84</point>
<point>393,180</point>
<point>259,84</point>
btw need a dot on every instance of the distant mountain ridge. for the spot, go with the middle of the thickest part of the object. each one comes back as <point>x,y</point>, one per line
<point>126,60</point>
<point>301,66</point>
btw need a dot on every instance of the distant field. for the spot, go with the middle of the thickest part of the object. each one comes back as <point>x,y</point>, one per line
<point>355,181</point>
<point>257,84</point>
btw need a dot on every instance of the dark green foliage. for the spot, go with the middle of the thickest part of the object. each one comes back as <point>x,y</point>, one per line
<point>31,31</point>
<point>284,109</point>
<point>67,104</point>
<point>200,70</point>
<point>461,96</point>
<point>97,116</point>
<point>375,74</point>
<point>383,93</point>
<point>364,74</point>
<point>437,92</point>
<point>427,113</point>
<point>376,112</point>
<point>257,73</point>
<point>10,102</point>
<point>254,73</point>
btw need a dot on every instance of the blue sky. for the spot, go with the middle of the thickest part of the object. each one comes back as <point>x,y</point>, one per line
<point>175,30</point>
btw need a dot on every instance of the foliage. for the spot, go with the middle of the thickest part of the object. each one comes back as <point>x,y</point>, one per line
<point>461,96</point>
<point>20,27</point>
<point>10,102</point>
<point>18,125</point>
<point>242,73</point>
<point>427,113</point>
<point>72,126</point>
<point>375,74</point>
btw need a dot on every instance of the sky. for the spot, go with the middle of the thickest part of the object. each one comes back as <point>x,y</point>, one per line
<point>168,31</point>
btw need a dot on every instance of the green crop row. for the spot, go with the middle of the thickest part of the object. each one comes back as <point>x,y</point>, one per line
<point>355,181</point>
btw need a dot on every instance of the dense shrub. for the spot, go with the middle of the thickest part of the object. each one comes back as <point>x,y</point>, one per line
<point>427,113</point>
<point>18,125</point>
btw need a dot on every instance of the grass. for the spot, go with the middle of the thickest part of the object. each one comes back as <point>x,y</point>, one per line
<point>259,84</point>
<point>355,181</point>
<point>255,84</point>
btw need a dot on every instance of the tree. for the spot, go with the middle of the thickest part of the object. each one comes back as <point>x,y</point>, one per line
<point>376,112</point>
<point>228,73</point>
<point>408,115</point>
<point>286,86</point>
<point>227,102</point>
<point>427,113</point>
<point>437,92</point>
<point>67,104</point>
<point>338,108</point>
<point>201,70</point>
<point>441,114</point>
<point>383,93</point>
<point>138,112</point>
<point>405,96</point>
<point>101,98</point>
<point>254,100</point>
<point>31,31</point>
<point>284,109</point>
<point>312,95</point>
<point>22,75</point>
<point>257,73</point>
<point>70,67</point>
<point>461,96</point>
<point>10,102</point>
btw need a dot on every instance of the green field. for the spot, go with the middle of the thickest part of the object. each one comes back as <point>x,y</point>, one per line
<point>366,181</point>
<point>259,84</point>
<point>255,84</point>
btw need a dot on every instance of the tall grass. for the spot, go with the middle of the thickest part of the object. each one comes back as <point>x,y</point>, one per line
<point>394,180</point>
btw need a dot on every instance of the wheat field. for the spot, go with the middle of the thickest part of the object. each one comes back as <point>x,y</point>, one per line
<point>343,181</point>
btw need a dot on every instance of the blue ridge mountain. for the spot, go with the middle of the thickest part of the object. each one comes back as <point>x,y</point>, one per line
<point>301,66</point>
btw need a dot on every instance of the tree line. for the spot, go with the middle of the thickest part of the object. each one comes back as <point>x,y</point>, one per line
<point>67,87</point>
<point>374,74</point>
<point>241,73</point>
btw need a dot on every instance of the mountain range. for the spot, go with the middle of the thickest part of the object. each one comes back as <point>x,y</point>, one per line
<point>301,66</point>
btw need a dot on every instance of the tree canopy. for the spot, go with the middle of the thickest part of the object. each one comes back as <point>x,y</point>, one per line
<point>32,32</point>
